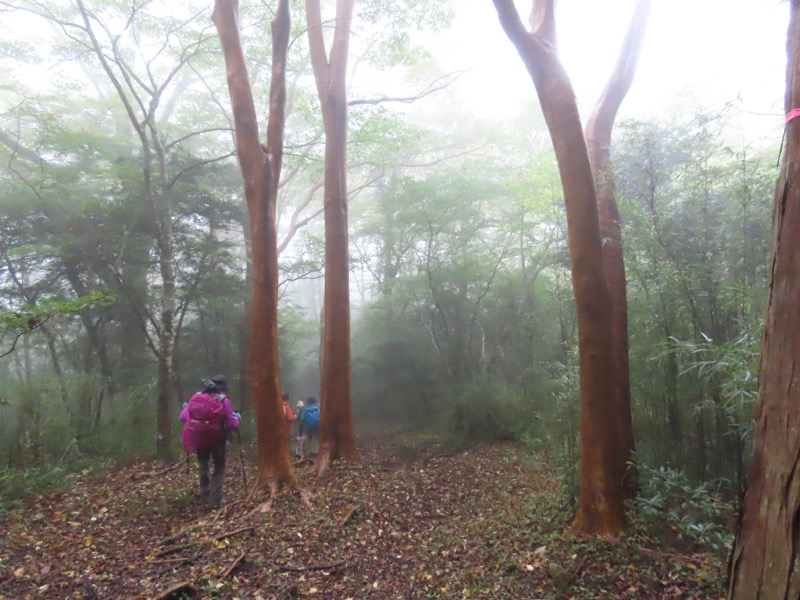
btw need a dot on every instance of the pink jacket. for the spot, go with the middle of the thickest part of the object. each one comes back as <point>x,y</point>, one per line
<point>192,439</point>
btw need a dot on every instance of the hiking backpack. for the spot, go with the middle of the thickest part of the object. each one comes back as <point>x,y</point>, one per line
<point>310,418</point>
<point>204,421</point>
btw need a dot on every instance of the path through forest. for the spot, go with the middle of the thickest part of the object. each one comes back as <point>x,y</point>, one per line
<point>417,521</point>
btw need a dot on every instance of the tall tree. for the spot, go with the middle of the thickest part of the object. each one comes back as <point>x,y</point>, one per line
<point>337,439</point>
<point>601,508</point>
<point>261,169</point>
<point>598,139</point>
<point>766,553</point>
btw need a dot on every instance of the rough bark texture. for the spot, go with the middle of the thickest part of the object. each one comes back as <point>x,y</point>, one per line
<point>601,509</point>
<point>261,169</point>
<point>337,439</point>
<point>765,558</point>
<point>598,139</point>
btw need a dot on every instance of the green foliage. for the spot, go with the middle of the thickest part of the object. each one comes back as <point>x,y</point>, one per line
<point>55,422</point>
<point>18,484</point>
<point>25,319</point>
<point>697,228</point>
<point>485,410</point>
<point>690,517</point>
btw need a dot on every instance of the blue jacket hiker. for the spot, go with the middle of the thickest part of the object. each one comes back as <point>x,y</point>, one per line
<point>309,425</point>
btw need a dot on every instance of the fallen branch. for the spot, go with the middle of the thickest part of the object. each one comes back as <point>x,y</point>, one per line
<point>233,565</point>
<point>320,567</point>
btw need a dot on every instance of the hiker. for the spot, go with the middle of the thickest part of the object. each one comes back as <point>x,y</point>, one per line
<point>297,427</point>
<point>298,409</point>
<point>309,425</point>
<point>207,416</point>
<point>288,415</point>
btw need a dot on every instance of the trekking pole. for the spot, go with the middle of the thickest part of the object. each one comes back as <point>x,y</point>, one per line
<point>241,458</point>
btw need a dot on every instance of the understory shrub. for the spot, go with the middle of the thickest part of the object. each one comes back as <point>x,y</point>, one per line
<point>691,517</point>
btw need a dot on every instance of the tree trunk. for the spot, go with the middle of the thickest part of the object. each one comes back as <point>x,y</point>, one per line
<point>767,549</point>
<point>601,509</point>
<point>166,343</point>
<point>598,139</point>
<point>261,168</point>
<point>337,439</point>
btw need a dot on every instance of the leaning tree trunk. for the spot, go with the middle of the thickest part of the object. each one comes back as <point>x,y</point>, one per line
<point>767,549</point>
<point>601,508</point>
<point>337,439</point>
<point>598,139</point>
<point>261,168</point>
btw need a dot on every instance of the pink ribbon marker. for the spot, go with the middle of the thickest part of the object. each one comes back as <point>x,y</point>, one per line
<point>793,114</point>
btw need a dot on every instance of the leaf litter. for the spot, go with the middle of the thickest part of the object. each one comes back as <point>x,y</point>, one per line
<point>481,522</point>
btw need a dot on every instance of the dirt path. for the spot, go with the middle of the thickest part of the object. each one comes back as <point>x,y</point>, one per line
<point>480,523</point>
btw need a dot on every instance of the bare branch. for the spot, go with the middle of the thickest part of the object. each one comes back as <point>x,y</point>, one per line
<point>295,223</point>
<point>175,179</point>
<point>195,133</point>
<point>434,87</point>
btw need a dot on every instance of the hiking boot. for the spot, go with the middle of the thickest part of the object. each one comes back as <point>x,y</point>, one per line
<point>219,503</point>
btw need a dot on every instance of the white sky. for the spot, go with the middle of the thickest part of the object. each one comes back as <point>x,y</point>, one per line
<point>719,49</point>
<point>716,50</point>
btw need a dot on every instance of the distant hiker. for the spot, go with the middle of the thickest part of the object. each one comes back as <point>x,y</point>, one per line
<point>288,416</point>
<point>299,439</point>
<point>309,425</point>
<point>208,415</point>
<point>298,408</point>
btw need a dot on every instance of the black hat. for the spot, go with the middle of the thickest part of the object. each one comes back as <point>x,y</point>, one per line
<point>219,381</point>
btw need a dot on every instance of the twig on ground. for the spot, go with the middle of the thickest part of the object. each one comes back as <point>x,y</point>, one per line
<point>177,535</point>
<point>137,476</point>
<point>185,561</point>
<point>234,532</point>
<point>173,549</point>
<point>320,567</point>
<point>167,561</point>
<point>234,564</point>
<point>350,514</point>
<point>225,509</point>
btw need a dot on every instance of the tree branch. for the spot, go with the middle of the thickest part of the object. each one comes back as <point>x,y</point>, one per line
<point>431,89</point>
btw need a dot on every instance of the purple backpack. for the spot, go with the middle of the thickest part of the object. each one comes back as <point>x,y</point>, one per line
<point>204,421</point>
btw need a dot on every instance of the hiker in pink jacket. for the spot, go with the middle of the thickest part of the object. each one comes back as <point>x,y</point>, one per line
<point>208,415</point>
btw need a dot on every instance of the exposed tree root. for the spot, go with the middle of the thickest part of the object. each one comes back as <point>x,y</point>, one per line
<point>274,487</point>
<point>179,590</point>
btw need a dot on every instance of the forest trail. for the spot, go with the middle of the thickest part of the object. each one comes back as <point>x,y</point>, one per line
<point>415,522</point>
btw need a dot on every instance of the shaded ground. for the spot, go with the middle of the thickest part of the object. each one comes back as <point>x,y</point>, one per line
<point>412,523</point>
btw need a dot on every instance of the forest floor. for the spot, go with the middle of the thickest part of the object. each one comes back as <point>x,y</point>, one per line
<point>416,521</point>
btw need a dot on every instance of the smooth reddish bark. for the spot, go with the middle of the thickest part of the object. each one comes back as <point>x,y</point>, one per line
<point>601,508</point>
<point>598,131</point>
<point>767,550</point>
<point>337,439</point>
<point>261,168</point>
